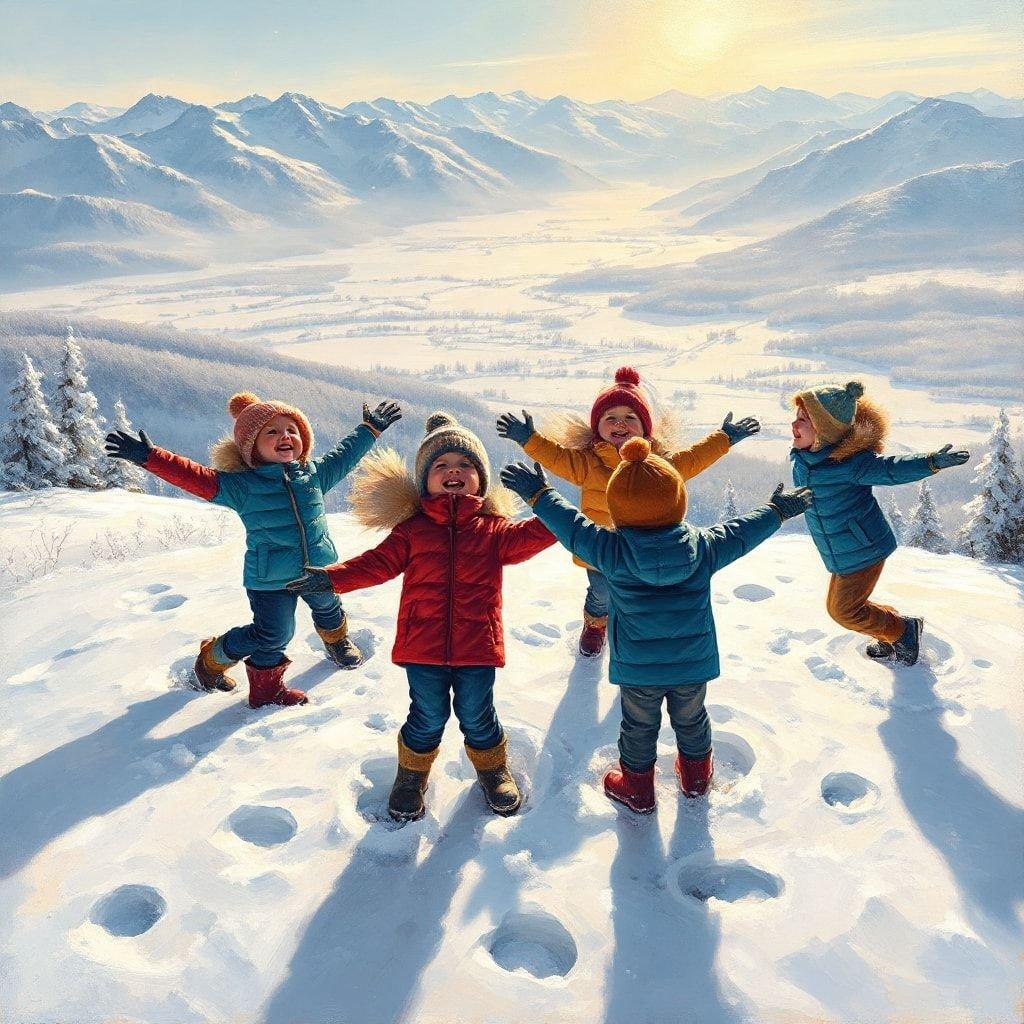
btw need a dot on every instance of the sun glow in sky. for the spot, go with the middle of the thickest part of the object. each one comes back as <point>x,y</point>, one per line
<point>112,51</point>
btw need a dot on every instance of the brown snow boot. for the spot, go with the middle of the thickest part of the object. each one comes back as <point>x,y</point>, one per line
<point>211,672</point>
<point>592,637</point>
<point>500,789</point>
<point>339,647</point>
<point>406,800</point>
<point>266,686</point>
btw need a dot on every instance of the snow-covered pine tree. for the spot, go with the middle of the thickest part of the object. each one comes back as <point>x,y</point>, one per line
<point>729,509</point>
<point>924,529</point>
<point>32,456</point>
<point>77,420</point>
<point>994,525</point>
<point>895,517</point>
<point>120,472</point>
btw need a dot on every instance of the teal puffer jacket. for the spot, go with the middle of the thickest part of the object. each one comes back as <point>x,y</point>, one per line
<point>282,507</point>
<point>661,631</point>
<point>847,525</point>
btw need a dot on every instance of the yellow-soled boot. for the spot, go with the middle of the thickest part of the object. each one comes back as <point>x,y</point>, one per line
<point>500,789</point>
<point>406,800</point>
<point>339,647</point>
<point>211,672</point>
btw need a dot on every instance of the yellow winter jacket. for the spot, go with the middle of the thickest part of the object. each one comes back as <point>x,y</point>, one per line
<point>590,467</point>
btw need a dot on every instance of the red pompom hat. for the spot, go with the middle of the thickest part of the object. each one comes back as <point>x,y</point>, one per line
<point>625,391</point>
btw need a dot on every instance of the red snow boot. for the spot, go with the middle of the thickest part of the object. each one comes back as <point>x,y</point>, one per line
<point>694,774</point>
<point>592,637</point>
<point>634,789</point>
<point>266,686</point>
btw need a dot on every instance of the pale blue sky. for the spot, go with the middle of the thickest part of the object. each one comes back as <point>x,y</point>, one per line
<point>53,52</point>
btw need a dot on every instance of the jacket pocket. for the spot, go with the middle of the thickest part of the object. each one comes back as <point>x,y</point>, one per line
<point>263,561</point>
<point>860,533</point>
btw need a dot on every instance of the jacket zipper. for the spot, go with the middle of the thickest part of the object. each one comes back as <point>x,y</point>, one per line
<point>298,518</point>
<point>451,584</point>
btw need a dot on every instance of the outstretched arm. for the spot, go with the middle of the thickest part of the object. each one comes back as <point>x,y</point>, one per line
<point>175,469</point>
<point>521,541</point>
<point>881,470</point>
<point>690,461</point>
<point>568,463</point>
<point>333,467</point>
<point>736,537</point>
<point>378,565</point>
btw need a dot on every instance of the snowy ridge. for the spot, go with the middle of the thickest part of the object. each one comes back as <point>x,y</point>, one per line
<point>177,856</point>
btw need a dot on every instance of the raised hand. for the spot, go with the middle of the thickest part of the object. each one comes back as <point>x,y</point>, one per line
<point>514,429</point>
<point>945,459</point>
<point>313,581</point>
<point>525,482</point>
<point>121,445</point>
<point>382,417</point>
<point>791,503</point>
<point>743,428</point>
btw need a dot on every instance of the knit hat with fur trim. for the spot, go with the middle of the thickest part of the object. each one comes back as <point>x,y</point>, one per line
<point>446,434</point>
<point>251,416</point>
<point>831,410</point>
<point>645,490</point>
<point>624,391</point>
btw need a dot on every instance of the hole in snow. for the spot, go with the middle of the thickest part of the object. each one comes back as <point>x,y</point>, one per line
<point>366,642</point>
<point>533,941</point>
<point>848,791</point>
<point>734,756</point>
<point>165,604</point>
<point>157,588</point>
<point>982,663</point>
<point>129,910</point>
<point>262,825</point>
<point>730,881</point>
<point>753,592</point>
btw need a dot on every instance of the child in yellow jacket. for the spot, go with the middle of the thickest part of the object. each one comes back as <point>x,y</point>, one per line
<point>588,455</point>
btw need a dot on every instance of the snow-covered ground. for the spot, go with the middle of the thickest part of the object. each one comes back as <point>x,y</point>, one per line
<point>171,856</point>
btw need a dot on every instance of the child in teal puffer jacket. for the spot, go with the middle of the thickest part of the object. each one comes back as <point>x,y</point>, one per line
<point>266,474</point>
<point>661,632</point>
<point>837,437</point>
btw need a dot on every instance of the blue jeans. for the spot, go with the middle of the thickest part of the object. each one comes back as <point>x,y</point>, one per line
<point>641,721</point>
<point>596,602</point>
<point>430,706</point>
<point>264,640</point>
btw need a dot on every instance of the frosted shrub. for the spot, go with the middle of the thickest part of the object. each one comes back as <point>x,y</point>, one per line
<point>37,556</point>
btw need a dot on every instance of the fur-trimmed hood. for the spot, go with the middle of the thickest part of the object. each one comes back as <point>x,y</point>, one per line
<point>570,430</point>
<point>383,493</point>
<point>226,457</point>
<point>868,433</point>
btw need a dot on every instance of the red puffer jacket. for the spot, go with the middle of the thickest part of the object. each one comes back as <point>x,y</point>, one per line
<point>452,554</point>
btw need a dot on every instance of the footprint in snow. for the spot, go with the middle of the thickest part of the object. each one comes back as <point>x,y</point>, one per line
<point>145,601</point>
<point>849,792</point>
<point>381,722</point>
<point>531,637</point>
<point>785,637</point>
<point>129,910</point>
<point>753,592</point>
<point>262,825</point>
<point>734,757</point>
<point>823,669</point>
<point>534,941</point>
<point>729,881</point>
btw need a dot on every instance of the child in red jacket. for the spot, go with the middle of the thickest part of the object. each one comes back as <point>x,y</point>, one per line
<point>450,535</point>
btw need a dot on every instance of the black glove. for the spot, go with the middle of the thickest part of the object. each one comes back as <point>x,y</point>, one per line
<point>516,430</point>
<point>945,459</point>
<point>737,431</point>
<point>791,503</point>
<point>313,581</point>
<point>123,446</point>
<point>382,417</point>
<point>524,481</point>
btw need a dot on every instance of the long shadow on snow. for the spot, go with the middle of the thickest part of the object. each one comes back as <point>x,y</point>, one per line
<point>975,830</point>
<point>361,956</point>
<point>94,774</point>
<point>663,965</point>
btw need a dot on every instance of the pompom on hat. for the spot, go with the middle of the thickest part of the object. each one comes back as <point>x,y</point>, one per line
<point>251,416</point>
<point>831,410</point>
<point>625,391</point>
<point>645,491</point>
<point>445,434</point>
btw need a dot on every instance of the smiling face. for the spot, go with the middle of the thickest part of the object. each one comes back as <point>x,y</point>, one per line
<point>279,441</point>
<point>618,424</point>
<point>804,434</point>
<point>452,473</point>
